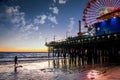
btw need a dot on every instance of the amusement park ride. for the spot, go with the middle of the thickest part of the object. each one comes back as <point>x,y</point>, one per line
<point>98,11</point>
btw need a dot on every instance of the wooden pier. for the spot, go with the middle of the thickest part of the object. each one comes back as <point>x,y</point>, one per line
<point>95,49</point>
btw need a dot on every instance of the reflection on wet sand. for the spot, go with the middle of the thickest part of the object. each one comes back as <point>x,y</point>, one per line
<point>15,69</point>
<point>93,74</point>
<point>60,69</point>
<point>90,71</point>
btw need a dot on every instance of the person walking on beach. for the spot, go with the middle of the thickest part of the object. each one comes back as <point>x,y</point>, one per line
<point>16,61</point>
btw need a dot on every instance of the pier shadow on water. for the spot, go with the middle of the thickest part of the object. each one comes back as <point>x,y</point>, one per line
<point>91,70</point>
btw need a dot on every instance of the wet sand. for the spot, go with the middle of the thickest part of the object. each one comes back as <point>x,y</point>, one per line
<point>50,70</point>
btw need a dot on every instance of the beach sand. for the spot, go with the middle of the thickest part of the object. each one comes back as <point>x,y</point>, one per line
<point>56,70</point>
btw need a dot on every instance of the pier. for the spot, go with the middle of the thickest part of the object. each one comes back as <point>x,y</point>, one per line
<point>96,49</point>
<point>101,45</point>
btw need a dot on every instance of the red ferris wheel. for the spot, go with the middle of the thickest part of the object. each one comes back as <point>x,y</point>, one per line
<point>96,8</point>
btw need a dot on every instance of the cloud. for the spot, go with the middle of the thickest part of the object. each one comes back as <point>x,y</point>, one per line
<point>28,32</point>
<point>29,36</point>
<point>43,18</point>
<point>53,19</point>
<point>15,16</point>
<point>71,24</point>
<point>36,28</point>
<point>19,30</point>
<point>62,1</point>
<point>25,29</point>
<point>55,10</point>
<point>19,19</point>
<point>40,19</point>
<point>36,21</point>
<point>54,1</point>
<point>29,27</point>
<point>12,10</point>
<point>19,25</point>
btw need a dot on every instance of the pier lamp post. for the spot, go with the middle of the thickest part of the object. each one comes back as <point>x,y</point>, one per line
<point>54,38</point>
<point>67,34</point>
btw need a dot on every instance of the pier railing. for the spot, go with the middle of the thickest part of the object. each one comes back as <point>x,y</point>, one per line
<point>84,40</point>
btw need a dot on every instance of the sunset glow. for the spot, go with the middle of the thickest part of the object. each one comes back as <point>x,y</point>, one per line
<point>25,27</point>
<point>23,50</point>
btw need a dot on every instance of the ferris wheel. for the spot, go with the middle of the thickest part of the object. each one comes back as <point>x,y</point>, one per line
<point>97,8</point>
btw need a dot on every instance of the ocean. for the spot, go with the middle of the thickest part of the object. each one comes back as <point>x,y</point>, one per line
<point>23,56</point>
<point>44,68</point>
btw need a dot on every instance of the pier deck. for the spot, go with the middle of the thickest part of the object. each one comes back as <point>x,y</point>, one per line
<point>89,48</point>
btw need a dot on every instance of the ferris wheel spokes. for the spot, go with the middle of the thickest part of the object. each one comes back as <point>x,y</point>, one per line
<point>97,8</point>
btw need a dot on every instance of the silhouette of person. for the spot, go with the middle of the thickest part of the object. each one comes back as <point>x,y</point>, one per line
<point>16,61</point>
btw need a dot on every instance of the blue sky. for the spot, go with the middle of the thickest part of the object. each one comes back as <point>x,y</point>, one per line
<point>27,23</point>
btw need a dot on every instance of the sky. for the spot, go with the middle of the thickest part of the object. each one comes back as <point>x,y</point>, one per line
<point>25,25</point>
